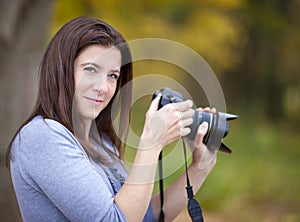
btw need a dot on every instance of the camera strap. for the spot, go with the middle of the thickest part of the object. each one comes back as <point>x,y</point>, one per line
<point>194,208</point>
<point>161,188</point>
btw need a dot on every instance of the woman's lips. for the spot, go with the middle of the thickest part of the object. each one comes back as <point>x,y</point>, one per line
<point>95,101</point>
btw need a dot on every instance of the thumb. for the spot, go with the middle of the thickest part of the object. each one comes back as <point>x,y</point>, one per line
<point>154,104</point>
<point>202,130</point>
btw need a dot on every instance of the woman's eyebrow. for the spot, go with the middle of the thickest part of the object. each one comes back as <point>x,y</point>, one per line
<point>91,63</point>
<point>99,67</point>
<point>116,70</point>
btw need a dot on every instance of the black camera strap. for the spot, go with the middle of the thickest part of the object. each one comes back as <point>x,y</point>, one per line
<point>194,208</point>
<point>161,189</point>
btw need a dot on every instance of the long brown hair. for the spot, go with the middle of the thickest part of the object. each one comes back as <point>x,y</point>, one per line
<point>56,84</point>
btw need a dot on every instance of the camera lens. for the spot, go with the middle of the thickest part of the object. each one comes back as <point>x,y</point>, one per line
<point>198,118</point>
<point>218,127</point>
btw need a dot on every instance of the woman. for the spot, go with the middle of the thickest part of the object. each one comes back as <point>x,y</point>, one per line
<point>65,159</point>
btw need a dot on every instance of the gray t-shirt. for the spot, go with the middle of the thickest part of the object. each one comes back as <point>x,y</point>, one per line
<point>54,179</point>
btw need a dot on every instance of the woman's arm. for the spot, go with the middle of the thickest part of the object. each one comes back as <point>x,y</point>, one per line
<point>161,128</point>
<point>54,179</point>
<point>175,197</point>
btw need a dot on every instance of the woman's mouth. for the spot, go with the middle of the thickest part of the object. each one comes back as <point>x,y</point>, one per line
<point>95,101</point>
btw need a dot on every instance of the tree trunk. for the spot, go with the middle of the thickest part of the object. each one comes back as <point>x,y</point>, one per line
<point>23,29</point>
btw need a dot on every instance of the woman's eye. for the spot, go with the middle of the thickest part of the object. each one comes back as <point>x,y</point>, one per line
<point>113,75</point>
<point>90,69</point>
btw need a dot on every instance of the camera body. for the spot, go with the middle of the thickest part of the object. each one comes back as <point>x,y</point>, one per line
<point>218,126</point>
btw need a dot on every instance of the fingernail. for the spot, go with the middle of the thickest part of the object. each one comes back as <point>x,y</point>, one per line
<point>190,103</point>
<point>203,127</point>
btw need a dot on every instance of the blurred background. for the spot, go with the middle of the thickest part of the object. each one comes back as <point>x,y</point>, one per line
<point>252,46</point>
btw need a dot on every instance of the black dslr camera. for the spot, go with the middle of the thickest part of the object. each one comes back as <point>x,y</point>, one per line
<point>218,127</point>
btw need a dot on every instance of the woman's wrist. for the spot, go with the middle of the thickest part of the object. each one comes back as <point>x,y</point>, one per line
<point>144,166</point>
<point>146,156</point>
<point>197,177</point>
<point>148,141</point>
<point>199,172</point>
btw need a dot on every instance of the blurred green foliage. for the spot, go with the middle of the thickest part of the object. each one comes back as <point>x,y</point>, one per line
<point>254,48</point>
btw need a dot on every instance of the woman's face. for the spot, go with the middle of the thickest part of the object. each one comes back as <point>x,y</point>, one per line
<point>96,71</point>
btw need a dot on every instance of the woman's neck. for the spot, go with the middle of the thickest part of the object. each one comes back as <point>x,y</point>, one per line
<point>82,128</point>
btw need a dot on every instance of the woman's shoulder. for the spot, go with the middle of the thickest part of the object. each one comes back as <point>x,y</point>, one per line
<point>40,128</point>
<point>40,124</point>
<point>41,136</point>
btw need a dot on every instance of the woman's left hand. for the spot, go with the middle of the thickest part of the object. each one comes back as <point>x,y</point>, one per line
<point>203,158</point>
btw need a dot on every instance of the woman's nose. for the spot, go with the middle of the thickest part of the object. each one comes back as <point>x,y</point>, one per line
<point>101,85</point>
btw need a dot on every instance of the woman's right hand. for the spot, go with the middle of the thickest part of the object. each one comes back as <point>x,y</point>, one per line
<point>167,124</point>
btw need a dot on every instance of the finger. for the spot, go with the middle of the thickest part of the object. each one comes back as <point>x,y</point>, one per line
<point>187,114</point>
<point>206,109</point>
<point>185,131</point>
<point>183,106</point>
<point>200,134</point>
<point>187,122</point>
<point>155,103</point>
<point>199,109</point>
<point>180,124</point>
<point>177,130</point>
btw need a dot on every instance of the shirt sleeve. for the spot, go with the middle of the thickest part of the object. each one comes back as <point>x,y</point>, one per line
<point>149,217</point>
<point>62,171</point>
